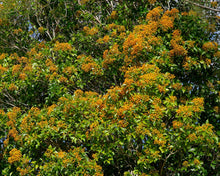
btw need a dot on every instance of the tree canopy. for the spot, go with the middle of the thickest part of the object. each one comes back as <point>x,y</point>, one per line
<point>109,87</point>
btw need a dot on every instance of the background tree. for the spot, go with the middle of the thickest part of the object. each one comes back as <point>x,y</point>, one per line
<point>107,87</point>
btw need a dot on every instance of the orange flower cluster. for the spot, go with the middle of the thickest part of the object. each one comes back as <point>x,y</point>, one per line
<point>63,79</point>
<point>2,69</point>
<point>22,76</point>
<point>185,164</point>
<point>177,124</point>
<point>148,79</point>
<point>105,39</point>
<point>15,155</point>
<point>160,142</point>
<point>18,31</point>
<point>61,154</point>
<point>189,62</point>
<point>152,1</point>
<point>14,133</point>
<point>69,70</point>
<point>184,13</point>
<point>198,104</point>
<point>205,128</point>
<point>15,69</point>
<point>196,162</point>
<point>113,26</point>
<point>24,171</point>
<point>49,153</point>
<point>177,86</point>
<point>12,87</point>
<point>172,99</point>
<point>153,40</point>
<point>144,30</point>
<point>25,125</point>
<point>90,65</point>
<point>2,56</point>
<point>53,67</point>
<point>110,56</point>
<point>122,110</point>
<point>210,46</point>
<point>166,22</point>
<point>184,111</point>
<point>134,43</point>
<point>91,31</point>
<point>192,137</point>
<point>138,98</point>
<point>176,43</point>
<point>214,3</point>
<point>190,43</point>
<point>41,30</point>
<point>172,13</point>
<point>217,54</point>
<point>113,14</point>
<point>27,68</point>
<point>62,47</point>
<point>23,60</point>
<point>154,14</point>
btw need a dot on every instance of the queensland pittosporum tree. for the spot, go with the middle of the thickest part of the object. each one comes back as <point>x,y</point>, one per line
<point>116,98</point>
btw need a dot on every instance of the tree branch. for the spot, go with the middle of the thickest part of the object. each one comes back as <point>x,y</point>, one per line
<point>204,7</point>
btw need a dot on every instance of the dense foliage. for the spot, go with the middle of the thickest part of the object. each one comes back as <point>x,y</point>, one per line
<point>107,88</point>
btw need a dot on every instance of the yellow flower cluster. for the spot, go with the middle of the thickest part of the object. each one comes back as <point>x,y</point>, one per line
<point>15,155</point>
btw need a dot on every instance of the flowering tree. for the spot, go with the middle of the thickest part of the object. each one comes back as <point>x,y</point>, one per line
<point>113,91</point>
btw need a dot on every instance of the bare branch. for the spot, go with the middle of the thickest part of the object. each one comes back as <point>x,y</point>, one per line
<point>204,7</point>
